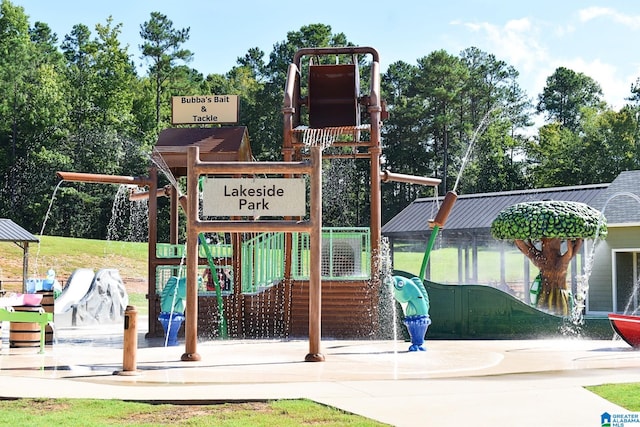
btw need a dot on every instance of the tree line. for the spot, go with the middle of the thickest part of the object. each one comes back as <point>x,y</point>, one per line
<point>77,103</point>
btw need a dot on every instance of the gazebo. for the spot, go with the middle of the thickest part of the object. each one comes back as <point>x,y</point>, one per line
<point>12,232</point>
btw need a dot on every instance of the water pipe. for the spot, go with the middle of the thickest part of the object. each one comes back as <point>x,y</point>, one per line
<point>427,251</point>
<point>104,179</point>
<point>436,224</point>
<point>387,175</point>
<point>222,329</point>
<point>344,50</point>
<point>135,196</point>
<point>445,209</point>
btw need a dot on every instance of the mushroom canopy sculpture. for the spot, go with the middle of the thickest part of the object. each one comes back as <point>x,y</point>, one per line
<point>550,234</point>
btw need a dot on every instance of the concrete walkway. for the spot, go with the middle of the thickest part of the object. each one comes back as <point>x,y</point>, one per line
<point>458,383</point>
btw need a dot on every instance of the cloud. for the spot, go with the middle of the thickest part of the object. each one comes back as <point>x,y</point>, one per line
<point>515,42</point>
<point>536,50</point>
<point>591,13</point>
<point>564,30</point>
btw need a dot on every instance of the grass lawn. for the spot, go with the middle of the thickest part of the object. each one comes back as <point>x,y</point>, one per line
<point>95,413</point>
<point>73,412</point>
<point>625,395</point>
<point>444,265</point>
<point>64,255</point>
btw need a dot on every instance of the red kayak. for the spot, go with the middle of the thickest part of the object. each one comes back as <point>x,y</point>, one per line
<point>628,327</point>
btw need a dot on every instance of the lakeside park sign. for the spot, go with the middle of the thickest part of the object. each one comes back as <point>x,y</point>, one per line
<point>204,109</point>
<point>254,197</point>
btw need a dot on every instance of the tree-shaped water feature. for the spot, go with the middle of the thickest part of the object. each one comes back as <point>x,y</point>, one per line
<point>550,234</point>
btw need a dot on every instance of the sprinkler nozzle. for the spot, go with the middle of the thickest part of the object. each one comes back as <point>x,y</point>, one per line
<point>445,209</point>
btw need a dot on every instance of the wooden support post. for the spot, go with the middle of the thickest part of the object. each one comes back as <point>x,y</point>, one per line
<point>130,342</point>
<point>191,312</point>
<point>174,217</point>
<point>154,328</point>
<point>315,261</point>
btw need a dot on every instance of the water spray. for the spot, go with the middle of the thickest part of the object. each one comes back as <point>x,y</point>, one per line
<point>435,225</point>
<point>582,288</point>
<point>451,196</point>
<point>480,129</point>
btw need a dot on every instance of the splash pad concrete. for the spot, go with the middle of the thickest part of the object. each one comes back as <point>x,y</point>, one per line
<point>457,382</point>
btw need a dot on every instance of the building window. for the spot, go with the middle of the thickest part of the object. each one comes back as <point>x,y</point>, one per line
<point>625,281</point>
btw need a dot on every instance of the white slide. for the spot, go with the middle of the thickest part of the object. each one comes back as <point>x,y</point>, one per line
<point>77,287</point>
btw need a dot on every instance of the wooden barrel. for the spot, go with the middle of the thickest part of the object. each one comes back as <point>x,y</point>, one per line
<point>47,305</point>
<point>24,334</point>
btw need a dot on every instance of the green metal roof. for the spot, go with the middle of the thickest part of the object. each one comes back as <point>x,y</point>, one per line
<point>474,212</point>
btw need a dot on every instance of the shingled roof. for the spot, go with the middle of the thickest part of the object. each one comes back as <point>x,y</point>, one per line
<point>619,201</point>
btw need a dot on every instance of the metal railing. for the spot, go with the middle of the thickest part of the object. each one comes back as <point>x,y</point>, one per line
<point>346,255</point>
<point>205,285</point>
<point>262,261</point>
<point>167,250</point>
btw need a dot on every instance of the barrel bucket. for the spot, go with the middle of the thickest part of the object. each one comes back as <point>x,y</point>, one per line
<point>171,323</point>
<point>24,334</point>
<point>417,326</point>
<point>47,306</point>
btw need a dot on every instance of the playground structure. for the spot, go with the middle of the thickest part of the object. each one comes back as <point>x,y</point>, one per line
<point>288,276</point>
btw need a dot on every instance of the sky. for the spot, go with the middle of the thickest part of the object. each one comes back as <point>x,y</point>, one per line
<point>597,38</point>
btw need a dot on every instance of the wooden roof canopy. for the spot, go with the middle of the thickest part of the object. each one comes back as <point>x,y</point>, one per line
<point>221,144</point>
